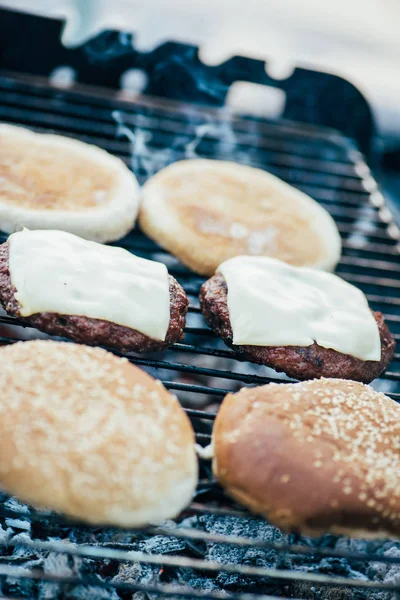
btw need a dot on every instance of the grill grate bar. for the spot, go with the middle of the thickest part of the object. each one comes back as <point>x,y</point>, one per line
<point>158,590</point>
<point>279,547</point>
<point>197,389</point>
<point>387,301</point>
<point>360,263</point>
<point>96,552</point>
<point>150,249</point>
<point>118,147</point>
<point>369,263</point>
<point>200,414</point>
<point>225,539</point>
<point>62,119</point>
<point>178,111</point>
<point>363,228</point>
<point>384,282</point>
<point>349,259</point>
<point>148,362</point>
<point>203,371</point>
<point>346,261</point>
<point>354,244</point>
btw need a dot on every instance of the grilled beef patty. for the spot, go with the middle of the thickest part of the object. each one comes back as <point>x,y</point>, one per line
<point>93,332</point>
<point>310,362</point>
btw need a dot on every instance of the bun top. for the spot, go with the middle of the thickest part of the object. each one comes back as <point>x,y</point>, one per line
<point>321,455</point>
<point>91,435</point>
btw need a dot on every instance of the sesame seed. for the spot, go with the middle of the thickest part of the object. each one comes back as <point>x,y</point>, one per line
<point>77,410</point>
<point>351,432</point>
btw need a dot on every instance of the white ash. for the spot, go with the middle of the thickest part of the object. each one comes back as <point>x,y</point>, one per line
<point>18,524</point>
<point>14,504</point>
<point>114,572</point>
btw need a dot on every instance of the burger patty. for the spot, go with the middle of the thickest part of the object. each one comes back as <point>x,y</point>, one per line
<point>85,330</point>
<point>310,362</point>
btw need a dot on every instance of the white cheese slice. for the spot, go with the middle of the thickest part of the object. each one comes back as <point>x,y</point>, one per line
<point>272,303</point>
<point>58,272</point>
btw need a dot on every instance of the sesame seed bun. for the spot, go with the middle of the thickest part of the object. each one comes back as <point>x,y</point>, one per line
<point>313,457</point>
<point>54,182</point>
<point>207,211</point>
<point>92,436</point>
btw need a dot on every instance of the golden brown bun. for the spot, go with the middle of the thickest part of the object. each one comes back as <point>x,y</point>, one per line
<point>55,182</point>
<point>313,457</point>
<point>92,436</point>
<point>206,211</point>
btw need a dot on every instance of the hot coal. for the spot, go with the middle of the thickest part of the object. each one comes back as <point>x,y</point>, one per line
<point>51,528</point>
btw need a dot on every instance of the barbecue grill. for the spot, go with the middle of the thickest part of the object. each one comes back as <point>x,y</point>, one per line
<point>215,549</point>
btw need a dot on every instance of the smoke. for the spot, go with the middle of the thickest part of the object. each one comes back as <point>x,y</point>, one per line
<point>200,132</point>
<point>183,76</point>
<point>108,47</point>
<point>142,157</point>
<point>213,138</point>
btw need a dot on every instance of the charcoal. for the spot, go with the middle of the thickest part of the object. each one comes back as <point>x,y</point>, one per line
<point>305,590</point>
<point>228,554</point>
<point>200,582</point>
<point>388,573</point>
<point>14,504</point>
<point>5,533</point>
<point>18,524</point>
<point>81,592</point>
<point>20,588</point>
<point>134,573</point>
<point>159,544</point>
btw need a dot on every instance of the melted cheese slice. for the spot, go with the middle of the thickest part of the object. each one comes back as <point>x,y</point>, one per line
<point>57,272</point>
<point>272,303</point>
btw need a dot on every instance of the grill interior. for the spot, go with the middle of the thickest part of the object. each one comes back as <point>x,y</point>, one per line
<point>215,549</point>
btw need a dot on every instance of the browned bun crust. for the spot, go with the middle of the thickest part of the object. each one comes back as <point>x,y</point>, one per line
<point>313,457</point>
<point>302,363</point>
<point>92,436</point>
<point>93,332</point>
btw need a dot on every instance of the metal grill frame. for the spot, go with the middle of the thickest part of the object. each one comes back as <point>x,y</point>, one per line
<point>319,161</point>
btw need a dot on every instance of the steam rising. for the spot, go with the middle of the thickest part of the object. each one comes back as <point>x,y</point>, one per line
<point>212,139</point>
<point>142,157</point>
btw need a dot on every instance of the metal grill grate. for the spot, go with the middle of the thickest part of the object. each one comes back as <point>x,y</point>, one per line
<point>201,370</point>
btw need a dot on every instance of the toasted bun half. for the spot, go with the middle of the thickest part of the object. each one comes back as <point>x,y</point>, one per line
<point>54,182</point>
<point>207,211</point>
<point>92,436</point>
<point>313,457</point>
